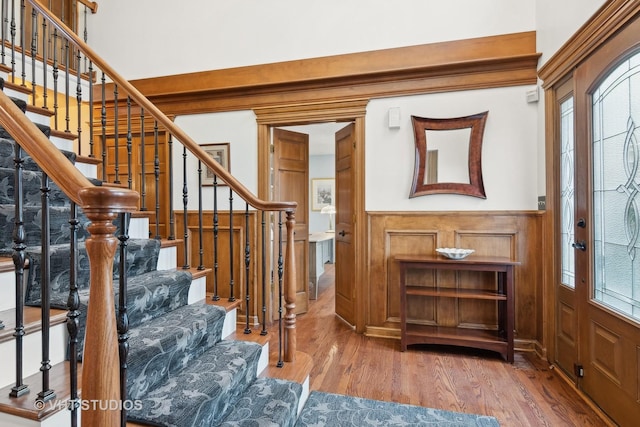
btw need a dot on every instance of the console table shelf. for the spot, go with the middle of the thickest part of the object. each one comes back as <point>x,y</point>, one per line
<point>500,340</point>
<point>454,293</point>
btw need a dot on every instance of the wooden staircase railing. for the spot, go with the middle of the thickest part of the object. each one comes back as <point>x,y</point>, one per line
<point>101,204</point>
<point>101,381</point>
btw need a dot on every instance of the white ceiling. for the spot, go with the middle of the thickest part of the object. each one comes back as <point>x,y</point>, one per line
<point>321,136</point>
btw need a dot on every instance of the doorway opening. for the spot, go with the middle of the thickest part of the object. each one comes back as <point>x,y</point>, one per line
<point>312,147</point>
<point>282,161</point>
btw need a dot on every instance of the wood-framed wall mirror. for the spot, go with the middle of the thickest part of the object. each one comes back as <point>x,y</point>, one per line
<point>448,156</point>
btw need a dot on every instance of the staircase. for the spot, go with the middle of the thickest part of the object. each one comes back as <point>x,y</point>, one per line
<point>182,368</point>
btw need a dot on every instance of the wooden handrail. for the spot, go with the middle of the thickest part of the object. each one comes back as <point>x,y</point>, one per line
<point>101,205</point>
<point>93,6</point>
<point>38,146</point>
<point>165,121</point>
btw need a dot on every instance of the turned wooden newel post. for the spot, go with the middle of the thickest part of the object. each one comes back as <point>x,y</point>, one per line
<point>101,365</point>
<point>290,291</point>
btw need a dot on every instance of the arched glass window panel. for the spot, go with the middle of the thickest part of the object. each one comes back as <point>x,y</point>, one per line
<point>567,192</point>
<point>616,184</point>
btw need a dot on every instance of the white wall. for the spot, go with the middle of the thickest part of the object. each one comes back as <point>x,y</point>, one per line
<point>216,34</point>
<point>148,38</point>
<point>508,150</point>
<point>238,128</point>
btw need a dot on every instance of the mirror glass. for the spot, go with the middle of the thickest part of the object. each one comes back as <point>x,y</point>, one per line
<point>448,155</point>
<point>450,148</point>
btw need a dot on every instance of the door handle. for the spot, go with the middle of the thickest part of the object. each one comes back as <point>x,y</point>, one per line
<point>342,233</point>
<point>580,244</point>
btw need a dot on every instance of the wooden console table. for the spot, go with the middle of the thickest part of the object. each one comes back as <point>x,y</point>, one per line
<point>500,341</point>
<point>320,253</point>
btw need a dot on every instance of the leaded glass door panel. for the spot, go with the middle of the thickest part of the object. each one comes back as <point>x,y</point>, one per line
<point>607,255</point>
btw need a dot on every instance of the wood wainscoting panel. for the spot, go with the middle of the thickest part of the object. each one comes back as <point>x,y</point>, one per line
<point>409,241</point>
<point>516,235</point>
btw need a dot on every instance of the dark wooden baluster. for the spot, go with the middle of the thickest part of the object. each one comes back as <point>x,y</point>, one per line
<point>73,305</point>
<point>91,141</point>
<point>13,41</point>
<point>34,50</point>
<point>280,363</point>
<point>19,236</point>
<point>185,202</point>
<point>23,39</point>
<point>129,146</point>
<point>123,317</point>
<point>264,274</point>
<point>45,59</point>
<point>79,100</point>
<point>247,262</point>
<point>172,218</point>
<point>103,124</point>
<point>67,76</point>
<point>200,239</point>
<point>232,297</point>
<point>156,174</point>
<point>116,137</point>
<point>4,19</point>
<point>45,288</point>
<point>143,165</point>
<point>85,37</point>
<point>216,229</point>
<point>56,76</point>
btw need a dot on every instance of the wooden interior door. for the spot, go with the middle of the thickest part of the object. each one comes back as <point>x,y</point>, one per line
<point>345,210</point>
<point>607,246</point>
<point>291,176</point>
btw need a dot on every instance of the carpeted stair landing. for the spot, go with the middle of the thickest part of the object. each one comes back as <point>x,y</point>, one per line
<point>333,410</point>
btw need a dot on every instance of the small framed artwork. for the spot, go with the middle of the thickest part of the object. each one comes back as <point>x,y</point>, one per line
<point>323,193</point>
<point>220,153</point>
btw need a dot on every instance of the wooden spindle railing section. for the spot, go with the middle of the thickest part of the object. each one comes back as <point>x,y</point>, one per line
<point>101,205</point>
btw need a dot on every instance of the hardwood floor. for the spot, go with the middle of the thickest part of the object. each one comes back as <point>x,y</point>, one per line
<point>526,393</point>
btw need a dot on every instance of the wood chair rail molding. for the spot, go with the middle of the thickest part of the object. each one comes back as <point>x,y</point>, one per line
<point>494,61</point>
<point>609,19</point>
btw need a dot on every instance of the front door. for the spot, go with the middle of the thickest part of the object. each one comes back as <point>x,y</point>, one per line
<point>290,159</point>
<point>607,244</point>
<point>345,207</point>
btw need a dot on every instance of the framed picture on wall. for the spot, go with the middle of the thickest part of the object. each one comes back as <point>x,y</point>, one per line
<point>323,193</point>
<point>220,153</point>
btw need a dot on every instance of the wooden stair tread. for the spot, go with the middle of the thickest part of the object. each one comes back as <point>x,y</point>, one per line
<point>195,273</point>
<point>88,160</point>
<point>39,110</point>
<point>24,406</point>
<point>254,336</point>
<point>32,321</point>
<point>16,86</point>
<point>223,302</point>
<point>298,371</point>
<point>63,134</point>
<point>167,243</point>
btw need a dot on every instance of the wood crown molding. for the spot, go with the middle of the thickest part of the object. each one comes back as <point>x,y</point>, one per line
<point>493,61</point>
<point>311,112</point>
<point>609,19</point>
